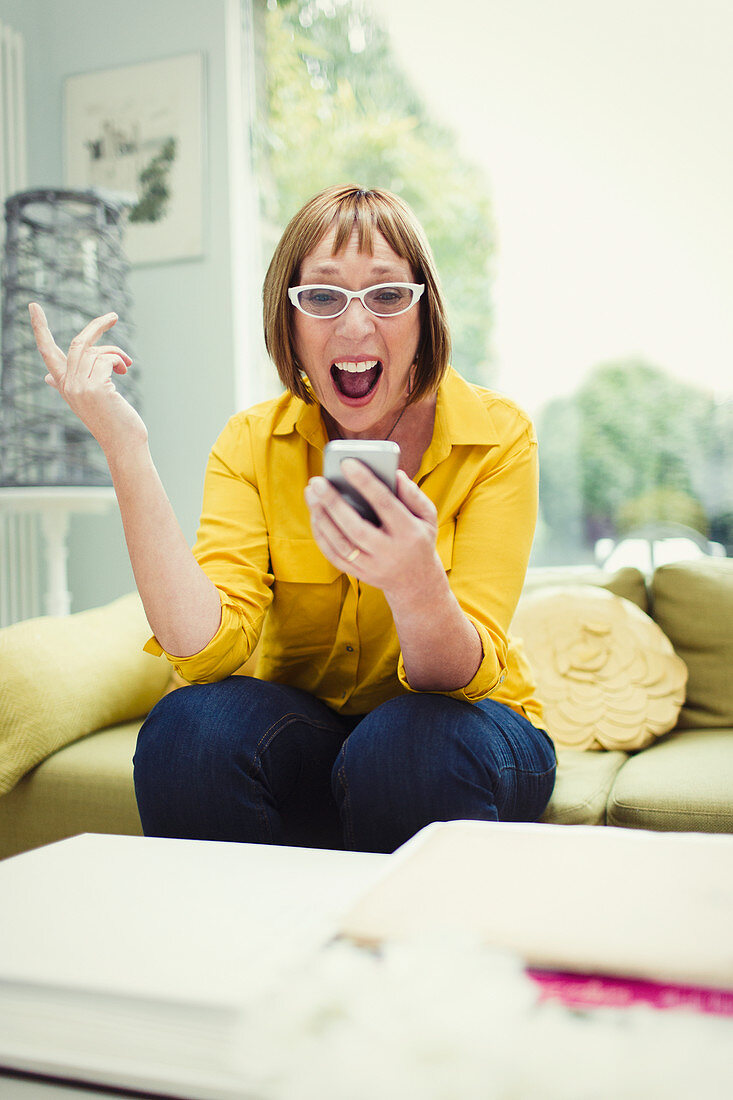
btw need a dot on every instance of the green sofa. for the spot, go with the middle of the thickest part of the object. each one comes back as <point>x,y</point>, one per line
<point>74,691</point>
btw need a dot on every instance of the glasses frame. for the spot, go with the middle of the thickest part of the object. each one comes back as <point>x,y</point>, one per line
<point>293,292</point>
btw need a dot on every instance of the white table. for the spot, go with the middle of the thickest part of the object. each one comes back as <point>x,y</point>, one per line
<point>55,505</point>
<point>156,921</point>
<point>200,923</point>
<point>18,1088</point>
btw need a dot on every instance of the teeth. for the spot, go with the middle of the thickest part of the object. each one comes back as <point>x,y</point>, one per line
<point>356,368</point>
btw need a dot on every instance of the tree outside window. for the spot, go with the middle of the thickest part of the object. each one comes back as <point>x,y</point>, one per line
<point>336,108</point>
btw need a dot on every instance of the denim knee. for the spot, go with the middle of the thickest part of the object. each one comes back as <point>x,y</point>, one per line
<point>175,763</point>
<point>423,758</point>
<point>404,766</point>
<point>237,760</point>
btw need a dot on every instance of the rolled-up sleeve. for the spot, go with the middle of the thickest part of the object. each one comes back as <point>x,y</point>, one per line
<point>494,529</point>
<point>231,548</point>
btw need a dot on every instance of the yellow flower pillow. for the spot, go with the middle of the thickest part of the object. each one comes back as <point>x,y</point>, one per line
<point>61,678</point>
<point>607,675</point>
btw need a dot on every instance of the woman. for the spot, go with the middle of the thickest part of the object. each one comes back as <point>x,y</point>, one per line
<point>388,693</point>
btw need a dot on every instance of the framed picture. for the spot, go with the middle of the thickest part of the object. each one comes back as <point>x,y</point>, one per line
<point>139,129</point>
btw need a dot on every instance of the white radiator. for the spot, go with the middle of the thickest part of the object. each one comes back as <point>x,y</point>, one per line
<point>19,534</point>
<point>20,567</point>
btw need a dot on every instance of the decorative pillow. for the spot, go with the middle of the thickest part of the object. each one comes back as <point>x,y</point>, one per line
<point>607,675</point>
<point>65,677</point>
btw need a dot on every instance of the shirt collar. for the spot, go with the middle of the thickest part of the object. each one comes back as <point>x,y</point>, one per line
<point>305,419</point>
<point>461,417</point>
<point>461,414</point>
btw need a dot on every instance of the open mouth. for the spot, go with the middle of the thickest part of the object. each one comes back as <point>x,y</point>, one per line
<point>356,380</point>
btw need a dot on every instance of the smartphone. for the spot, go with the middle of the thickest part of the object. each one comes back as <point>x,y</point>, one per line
<point>382,456</point>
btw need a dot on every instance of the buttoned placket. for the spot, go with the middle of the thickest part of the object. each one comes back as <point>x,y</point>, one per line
<point>347,638</point>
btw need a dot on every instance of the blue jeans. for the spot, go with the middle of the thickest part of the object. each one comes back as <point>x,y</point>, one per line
<point>250,760</point>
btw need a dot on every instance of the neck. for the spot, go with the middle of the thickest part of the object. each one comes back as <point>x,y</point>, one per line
<point>413,429</point>
<point>335,430</point>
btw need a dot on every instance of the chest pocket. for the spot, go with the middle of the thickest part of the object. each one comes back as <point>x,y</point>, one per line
<point>307,595</point>
<point>299,561</point>
<point>444,544</point>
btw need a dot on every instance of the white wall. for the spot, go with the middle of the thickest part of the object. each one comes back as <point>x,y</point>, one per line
<point>182,311</point>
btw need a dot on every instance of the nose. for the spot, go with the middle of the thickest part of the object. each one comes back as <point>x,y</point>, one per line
<point>356,319</point>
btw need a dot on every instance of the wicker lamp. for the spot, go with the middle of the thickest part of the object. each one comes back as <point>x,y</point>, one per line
<point>64,250</point>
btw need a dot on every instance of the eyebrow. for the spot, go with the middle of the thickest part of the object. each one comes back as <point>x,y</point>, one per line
<point>326,268</point>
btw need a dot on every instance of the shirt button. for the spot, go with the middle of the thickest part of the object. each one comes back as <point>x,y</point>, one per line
<point>349,649</point>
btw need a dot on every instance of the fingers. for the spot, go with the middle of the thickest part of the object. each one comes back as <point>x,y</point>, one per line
<point>63,369</point>
<point>102,366</point>
<point>106,348</point>
<point>374,491</point>
<point>413,498</point>
<point>350,553</point>
<point>103,361</point>
<point>332,542</point>
<point>388,555</point>
<point>388,505</point>
<point>84,340</point>
<point>341,523</point>
<point>51,354</point>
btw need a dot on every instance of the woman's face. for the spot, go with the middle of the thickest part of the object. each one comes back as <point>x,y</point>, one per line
<point>364,403</point>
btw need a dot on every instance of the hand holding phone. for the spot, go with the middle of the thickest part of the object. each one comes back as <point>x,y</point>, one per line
<point>382,456</point>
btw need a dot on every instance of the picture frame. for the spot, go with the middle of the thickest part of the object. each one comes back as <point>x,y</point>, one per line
<point>138,130</point>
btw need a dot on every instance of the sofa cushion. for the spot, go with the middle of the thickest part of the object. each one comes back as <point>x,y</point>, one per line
<point>627,582</point>
<point>582,786</point>
<point>693,604</point>
<point>682,783</point>
<point>86,787</point>
<point>65,677</point>
<point>606,674</point>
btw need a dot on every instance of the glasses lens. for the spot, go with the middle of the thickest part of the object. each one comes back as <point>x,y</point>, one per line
<point>322,301</point>
<point>385,300</point>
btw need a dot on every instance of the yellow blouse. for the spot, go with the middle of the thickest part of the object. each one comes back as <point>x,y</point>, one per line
<point>324,631</point>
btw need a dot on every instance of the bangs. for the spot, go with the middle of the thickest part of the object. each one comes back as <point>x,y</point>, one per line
<point>354,212</point>
<point>368,212</point>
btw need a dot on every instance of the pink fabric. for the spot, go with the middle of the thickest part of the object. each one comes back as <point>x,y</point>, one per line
<point>603,991</point>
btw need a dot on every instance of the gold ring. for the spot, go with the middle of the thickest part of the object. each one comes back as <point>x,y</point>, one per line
<point>354,554</point>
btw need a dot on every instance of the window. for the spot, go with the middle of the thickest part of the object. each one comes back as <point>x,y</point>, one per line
<point>572,164</point>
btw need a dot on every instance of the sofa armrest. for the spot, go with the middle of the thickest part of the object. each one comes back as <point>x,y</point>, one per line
<point>63,678</point>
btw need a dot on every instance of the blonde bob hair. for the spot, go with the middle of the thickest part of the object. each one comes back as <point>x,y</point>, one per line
<point>346,207</point>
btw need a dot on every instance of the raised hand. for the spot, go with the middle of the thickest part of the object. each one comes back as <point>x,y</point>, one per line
<point>83,377</point>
